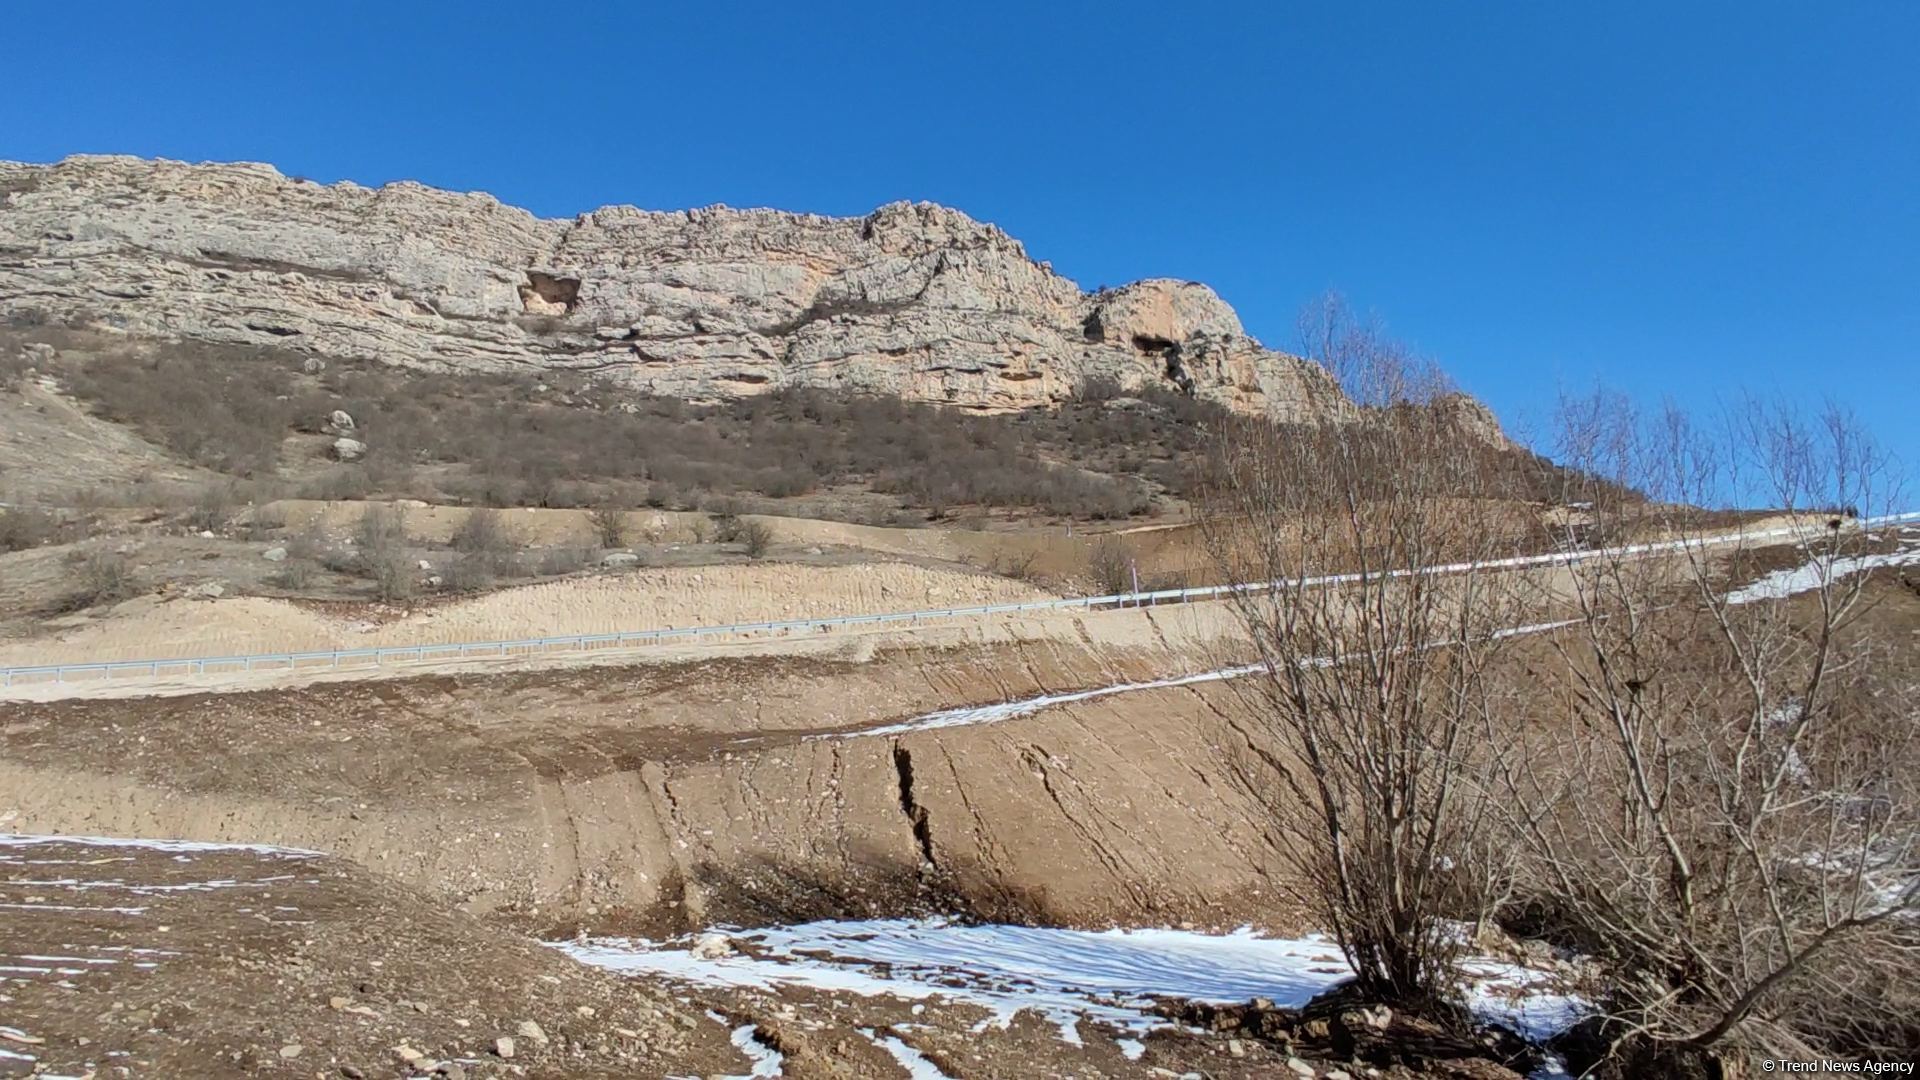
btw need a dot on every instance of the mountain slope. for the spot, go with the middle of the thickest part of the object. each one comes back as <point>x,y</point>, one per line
<point>913,300</point>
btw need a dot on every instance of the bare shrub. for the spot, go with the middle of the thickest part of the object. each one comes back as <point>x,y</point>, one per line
<point>213,507</point>
<point>472,572</point>
<point>338,484</point>
<point>13,368</point>
<point>225,408</point>
<point>1720,795</point>
<point>1371,695</point>
<point>729,525</point>
<point>756,538</point>
<point>609,523</point>
<point>570,559</point>
<point>1018,565</point>
<point>381,525</point>
<point>381,552</point>
<point>265,521</point>
<point>23,527</point>
<point>485,531</point>
<point>293,575</point>
<point>393,574</point>
<point>306,553</point>
<point>105,577</point>
<point>1110,564</point>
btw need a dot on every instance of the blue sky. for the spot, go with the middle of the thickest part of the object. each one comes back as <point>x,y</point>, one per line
<point>1677,199</point>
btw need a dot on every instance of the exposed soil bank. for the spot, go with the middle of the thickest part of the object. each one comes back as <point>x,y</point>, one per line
<point>679,794</point>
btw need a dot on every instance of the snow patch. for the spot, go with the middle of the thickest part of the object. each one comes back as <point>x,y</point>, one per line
<point>1805,578</point>
<point>766,1060</point>
<point>20,840</point>
<point>916,1063</point>
<point>1109,977</point>
<point>1007,710</point>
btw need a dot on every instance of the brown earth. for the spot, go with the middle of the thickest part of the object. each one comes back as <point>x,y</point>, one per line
<point>184,626</point>
<point>725,784</point>
<point>126,961</point>
<point>684,792</point>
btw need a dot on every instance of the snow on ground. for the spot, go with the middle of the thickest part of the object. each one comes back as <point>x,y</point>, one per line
<point>916,1063</point>
<point>1109,977</point>
<point>1809,576</point>
<point>1008,710</point>
<point>16,840</point>
<point>766,1060</point>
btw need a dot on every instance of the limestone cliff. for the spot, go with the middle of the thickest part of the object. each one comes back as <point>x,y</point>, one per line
<point>914,300</point>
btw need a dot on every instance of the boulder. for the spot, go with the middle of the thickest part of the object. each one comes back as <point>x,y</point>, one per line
<point>345,449</point>
<point>339,423</point>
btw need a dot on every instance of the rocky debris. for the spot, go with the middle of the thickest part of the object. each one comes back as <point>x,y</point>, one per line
<point>345,449</point>
<point>532,1032</point>
<point>275,554</point>
<point>914,300</point>
<point>503,1046</point>
<point>1334,1027</point>
<point>615,560</point>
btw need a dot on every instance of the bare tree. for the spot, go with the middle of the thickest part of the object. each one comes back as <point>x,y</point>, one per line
<point>609,522</point>
<point>381,539</point>
<point>1718,796</point>
<point>1376,650</point>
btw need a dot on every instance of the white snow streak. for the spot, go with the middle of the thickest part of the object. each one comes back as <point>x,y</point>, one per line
<point>766,1060</point>
<point>19,840</point>
<point>1008,710</point>
<point>1110,977</point>
<point>916,1063</point>
<point>1784,583</point>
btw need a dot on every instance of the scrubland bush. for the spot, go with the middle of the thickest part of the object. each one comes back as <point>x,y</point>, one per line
<point>567,559</point>
<point>755,538</point>
<point>23,527</point>
<point>380,552</point>
<point>1110,563</point>
<point>103,577</point>
<point>484,531</point>
<point>1709,791</point>
<point>609,524</point>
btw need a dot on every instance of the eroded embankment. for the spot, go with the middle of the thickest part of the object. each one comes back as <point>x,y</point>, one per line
<point>682,794</point>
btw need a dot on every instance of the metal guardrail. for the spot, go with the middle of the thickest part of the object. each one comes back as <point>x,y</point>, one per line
<point>376,656</point>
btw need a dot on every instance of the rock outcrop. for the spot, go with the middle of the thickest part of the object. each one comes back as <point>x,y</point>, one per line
<point>914,300</point>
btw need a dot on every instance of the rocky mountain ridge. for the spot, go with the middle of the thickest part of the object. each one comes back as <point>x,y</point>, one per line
<point>914,300</point>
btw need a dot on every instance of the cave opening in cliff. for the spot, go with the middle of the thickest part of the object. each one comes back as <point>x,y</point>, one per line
<point>1147,343</point>
<point>549,294</point>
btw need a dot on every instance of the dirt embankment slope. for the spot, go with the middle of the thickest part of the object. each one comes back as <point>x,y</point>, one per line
<point>688,793</point>
<point>160,627</point>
